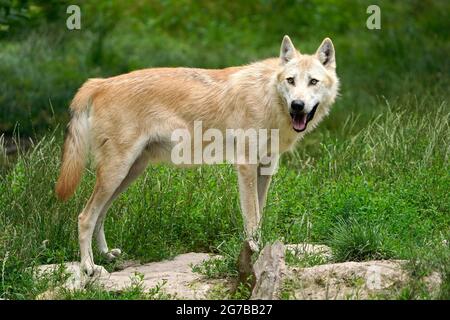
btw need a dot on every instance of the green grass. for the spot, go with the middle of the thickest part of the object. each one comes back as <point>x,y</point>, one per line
<point>355,241</point>
<point>135,291</point>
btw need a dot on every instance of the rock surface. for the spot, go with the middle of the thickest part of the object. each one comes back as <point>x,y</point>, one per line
<point>269,269</point>
<point>75,280</point>
<point>180,281</point>
<point>347,280</point>
<point>175,276</point>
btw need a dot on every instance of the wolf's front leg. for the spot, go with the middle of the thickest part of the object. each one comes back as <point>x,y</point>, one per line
<point>265,173</point>
<point>248,190</point>
<point>263,188</point>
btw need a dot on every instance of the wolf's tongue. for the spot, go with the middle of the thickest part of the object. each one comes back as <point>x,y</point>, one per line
<point>299,121</point>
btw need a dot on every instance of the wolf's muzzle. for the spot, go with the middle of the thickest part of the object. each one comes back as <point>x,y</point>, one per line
<point>300,119</point>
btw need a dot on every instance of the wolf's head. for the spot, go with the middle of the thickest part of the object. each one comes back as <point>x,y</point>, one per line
<point>307,83</point>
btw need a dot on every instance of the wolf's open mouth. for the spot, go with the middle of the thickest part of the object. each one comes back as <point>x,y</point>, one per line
<point>300,120</point>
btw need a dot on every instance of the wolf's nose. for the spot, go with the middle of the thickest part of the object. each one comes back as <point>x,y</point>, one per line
<point>297,105</point>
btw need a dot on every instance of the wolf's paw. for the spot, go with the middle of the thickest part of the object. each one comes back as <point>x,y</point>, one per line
<point>90,269</point>
<point>112,254</point>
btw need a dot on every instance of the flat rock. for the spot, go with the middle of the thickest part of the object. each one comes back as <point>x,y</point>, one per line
<point>175,277</point>
<point>76,279</point>
<point>347,280</point>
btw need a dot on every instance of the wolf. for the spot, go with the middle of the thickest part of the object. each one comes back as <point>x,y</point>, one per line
<point>126,123</point>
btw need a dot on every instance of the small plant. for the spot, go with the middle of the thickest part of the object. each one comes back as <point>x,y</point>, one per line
<point>243,291</point>
<point>214,268</point>
<point>157,292</point>
<point>305,260</point>
<point>353,241</point>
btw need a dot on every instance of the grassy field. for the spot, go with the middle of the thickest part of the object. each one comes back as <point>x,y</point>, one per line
<point>372,181</point>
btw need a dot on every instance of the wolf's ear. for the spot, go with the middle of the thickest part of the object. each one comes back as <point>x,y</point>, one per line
<point>325,54</point>
<point>287,51</point>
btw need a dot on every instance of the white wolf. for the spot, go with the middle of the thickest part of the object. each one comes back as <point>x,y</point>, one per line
<point>127,121</point>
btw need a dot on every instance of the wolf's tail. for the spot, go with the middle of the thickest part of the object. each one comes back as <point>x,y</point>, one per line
<point>76,143</point>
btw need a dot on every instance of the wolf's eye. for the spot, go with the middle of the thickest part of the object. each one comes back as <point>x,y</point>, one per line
<point>290,80</point>
<point>313,82</point>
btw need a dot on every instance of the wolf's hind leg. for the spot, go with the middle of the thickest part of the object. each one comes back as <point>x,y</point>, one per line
<point>104,188</point>
<point>135,171</point>
<point>113,167</point>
